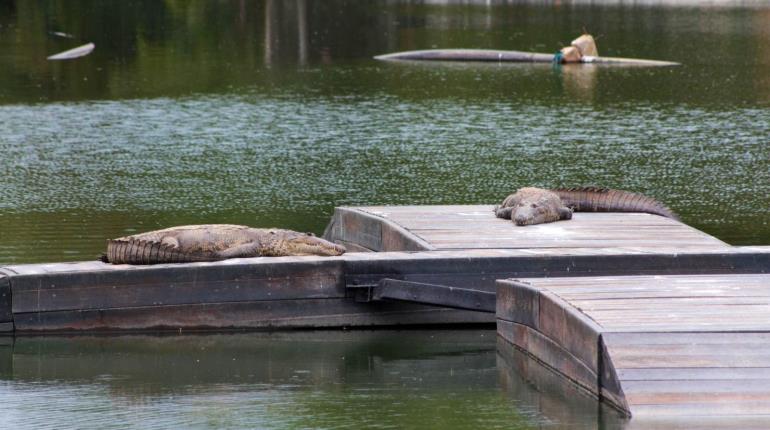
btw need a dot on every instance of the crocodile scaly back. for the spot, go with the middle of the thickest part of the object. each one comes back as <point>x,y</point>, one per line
<point>137,251</point>
<point>595,199</point>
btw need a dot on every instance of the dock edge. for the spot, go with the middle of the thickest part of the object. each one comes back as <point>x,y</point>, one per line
<point>362,231</point>
<point>559,336</point>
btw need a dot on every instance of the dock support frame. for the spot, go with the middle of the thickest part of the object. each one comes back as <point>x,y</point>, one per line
<point>426,294</point>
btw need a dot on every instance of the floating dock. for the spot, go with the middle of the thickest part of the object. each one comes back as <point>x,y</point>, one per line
<point>498,56</point>
<point>644,312</point>
<point>462,246</point>
<point>466,227</point>
<point>655,347</point>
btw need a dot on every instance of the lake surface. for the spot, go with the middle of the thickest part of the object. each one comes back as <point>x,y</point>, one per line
<point>359,379</point>
<point>272,113</point>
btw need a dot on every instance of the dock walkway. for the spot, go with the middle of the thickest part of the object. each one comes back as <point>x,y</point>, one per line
<point>654,346</point>
<point>644,312</point>
<point>464,227</point>
<point>463,246</point>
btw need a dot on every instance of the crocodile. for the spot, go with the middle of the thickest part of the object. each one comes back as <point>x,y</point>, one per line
<point>214,242</point>
<point>537,205</point>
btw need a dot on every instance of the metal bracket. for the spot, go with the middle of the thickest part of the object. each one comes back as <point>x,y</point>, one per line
<point>427,294</point>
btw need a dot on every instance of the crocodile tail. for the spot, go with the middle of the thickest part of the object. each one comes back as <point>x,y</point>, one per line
<point>136,251</point>
<point>596,199</point>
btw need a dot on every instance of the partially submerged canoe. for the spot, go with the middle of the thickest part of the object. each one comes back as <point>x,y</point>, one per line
<point>491,55</point>
<point>70,54</point>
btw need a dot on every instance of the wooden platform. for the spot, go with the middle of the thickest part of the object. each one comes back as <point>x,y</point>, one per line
<point>306,292</point>
<point>459,227</point>
<point>457,246</point>
<point>646,313</point>
<point>657,347</point>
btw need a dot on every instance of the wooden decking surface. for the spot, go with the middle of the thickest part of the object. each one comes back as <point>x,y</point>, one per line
<point>476,227</point>
<point>675,346</point>
<point>664,344</point>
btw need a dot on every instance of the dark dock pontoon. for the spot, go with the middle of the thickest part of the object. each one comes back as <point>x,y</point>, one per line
<point>463,247</point>
<point>656,347</point>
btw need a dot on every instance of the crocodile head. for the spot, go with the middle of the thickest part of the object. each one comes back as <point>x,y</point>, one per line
<point>287,242</point>
<point>537,206</point>
<point>530,213</point>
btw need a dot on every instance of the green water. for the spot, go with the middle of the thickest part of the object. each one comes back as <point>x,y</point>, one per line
<point>360,379</point>
<point>271,113</point>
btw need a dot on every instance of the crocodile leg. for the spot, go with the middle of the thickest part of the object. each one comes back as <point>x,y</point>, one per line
<point>504,213</point>
<point>170,241</point>
<point>246,250</point>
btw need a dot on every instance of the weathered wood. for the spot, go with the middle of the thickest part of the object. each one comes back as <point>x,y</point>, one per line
<point>273,314</point>
<point>467,270</point>
<point>694,373</point>
<point>721,414</point>
<point>550,353</point>
<point>476,227</point>
<point>549,317</point>
<point>355,227</point>
<point>571,329</point>
<point>94,285</point>
<point>519,304</point>
<point>6,313</point>
<point>712,339</point>
<point>620,337</point>
<point>564,404</point>
<point>610,385</point>
<point>669,345</point>
<point>363,229</point>
<point>434,295</point>
<point>179,284</point>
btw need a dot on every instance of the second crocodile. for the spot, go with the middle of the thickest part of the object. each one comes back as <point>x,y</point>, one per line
<point>530,205</point>
<point>213,242</point>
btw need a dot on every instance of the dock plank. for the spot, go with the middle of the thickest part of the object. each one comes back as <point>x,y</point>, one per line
<point>180,284</point>
<point>466,227</point>
<point>674,374</point>
<point>265,314</point>
<point>6,311</point>
<point>679,345</point>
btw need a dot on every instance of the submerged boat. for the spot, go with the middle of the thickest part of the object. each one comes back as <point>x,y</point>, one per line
<point>491,55</point>
<point>581,51</point>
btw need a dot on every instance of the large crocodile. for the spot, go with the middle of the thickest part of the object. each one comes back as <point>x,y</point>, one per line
<point>536,205</point>
<point>213,242</point>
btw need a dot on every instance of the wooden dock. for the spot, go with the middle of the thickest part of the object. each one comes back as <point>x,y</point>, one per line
<point>657,347</point>
<point>463,227</point>
<point>461,246</point>
<point>646,313</point>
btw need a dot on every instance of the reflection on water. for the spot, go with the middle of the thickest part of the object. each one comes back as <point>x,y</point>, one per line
<point>360,379</point>
<point>579,82</point>
<point>381,379</point>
